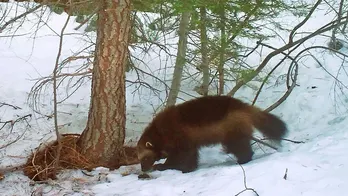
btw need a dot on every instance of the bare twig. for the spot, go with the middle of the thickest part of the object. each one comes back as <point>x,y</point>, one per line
<point>87,19</point>
<point>264,143</point>
<point>339,18</point>
<point>291,36</point>
<point>18,17</point>
<point>13,122</point>
<point>287,55</point>
<point>329,26</point>
<point>13,141</point>
<point>13,106</point>
<point>286,174</point>
<point>8,169</point>
<point>245,184</point>
<point>295,64</point>
<point>239,28</point>
<point>289,140</point>
<point>55,92</point>
<point>293,141</point>
<point>286,94</point>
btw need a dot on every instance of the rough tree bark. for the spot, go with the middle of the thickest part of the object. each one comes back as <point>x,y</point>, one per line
<point>103,138</point>
<point>180,58</point>
<point>204,51</point>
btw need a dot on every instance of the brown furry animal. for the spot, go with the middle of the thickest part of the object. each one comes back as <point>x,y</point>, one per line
<point>177,132</point>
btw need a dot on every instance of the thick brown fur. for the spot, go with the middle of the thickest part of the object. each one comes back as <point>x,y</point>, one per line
<point>177,132</point>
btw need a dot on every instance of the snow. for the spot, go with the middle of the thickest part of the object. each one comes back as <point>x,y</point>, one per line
<point>315,112</point>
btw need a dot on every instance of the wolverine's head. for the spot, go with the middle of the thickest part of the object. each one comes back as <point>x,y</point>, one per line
<point>148,152</point>
<point>147,155</point>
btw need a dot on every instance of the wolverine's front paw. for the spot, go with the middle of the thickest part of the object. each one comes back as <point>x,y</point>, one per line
<point>160,167</point>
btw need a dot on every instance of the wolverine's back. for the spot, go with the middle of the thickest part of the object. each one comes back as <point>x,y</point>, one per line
<point>205,110</point>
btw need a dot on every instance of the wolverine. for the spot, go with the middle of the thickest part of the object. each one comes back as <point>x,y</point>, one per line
<point>177,132</point>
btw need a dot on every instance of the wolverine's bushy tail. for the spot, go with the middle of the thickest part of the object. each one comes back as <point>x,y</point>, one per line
<point>270,125</point>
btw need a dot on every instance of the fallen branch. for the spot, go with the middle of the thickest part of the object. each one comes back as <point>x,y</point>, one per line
<point>293,141</point>
<point>264,143</point>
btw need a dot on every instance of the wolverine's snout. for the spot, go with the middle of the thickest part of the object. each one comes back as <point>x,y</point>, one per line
<point>147,163</point>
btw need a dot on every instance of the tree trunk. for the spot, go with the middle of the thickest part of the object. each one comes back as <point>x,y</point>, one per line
<point>335,43</point>
<point>204,51</point>
<point>103,138</point>
<point>180,58</point>
<point>222,51</point>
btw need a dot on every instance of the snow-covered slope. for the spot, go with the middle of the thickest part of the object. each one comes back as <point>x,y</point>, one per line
<point>315,112</point>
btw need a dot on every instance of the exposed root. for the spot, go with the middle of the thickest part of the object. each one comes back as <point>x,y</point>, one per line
<point>41,164</point>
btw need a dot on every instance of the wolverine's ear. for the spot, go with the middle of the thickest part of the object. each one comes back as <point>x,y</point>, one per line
<point>148,145</point>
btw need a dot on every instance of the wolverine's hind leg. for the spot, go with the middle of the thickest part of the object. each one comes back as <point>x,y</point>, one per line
<point>183,160</point>
<point>237,142</point>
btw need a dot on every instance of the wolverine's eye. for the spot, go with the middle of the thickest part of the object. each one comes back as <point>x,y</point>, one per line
<point>146,159</point>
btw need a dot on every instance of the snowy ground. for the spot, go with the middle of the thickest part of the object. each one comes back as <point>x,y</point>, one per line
<point>316,113</point>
